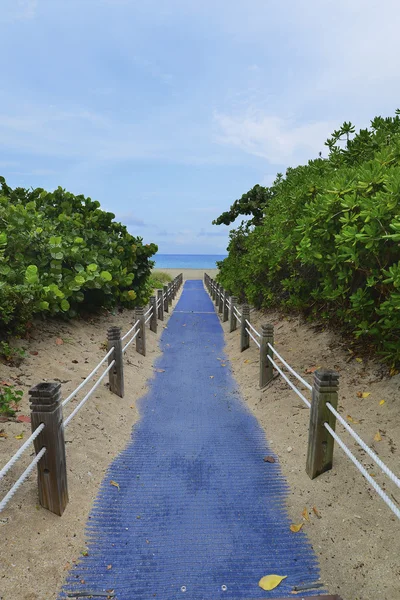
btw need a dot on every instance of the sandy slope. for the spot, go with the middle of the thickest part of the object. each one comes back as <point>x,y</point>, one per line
<point>357,537</point>
<point>37,547</point>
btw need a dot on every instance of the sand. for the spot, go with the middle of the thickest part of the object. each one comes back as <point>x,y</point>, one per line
<point>190,273</point>
<point>37,547</point>
<point>357,537</point>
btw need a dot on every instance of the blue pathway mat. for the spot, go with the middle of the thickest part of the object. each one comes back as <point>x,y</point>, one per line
<point>198,515</point>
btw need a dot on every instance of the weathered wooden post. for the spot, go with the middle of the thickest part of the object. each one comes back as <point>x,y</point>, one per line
<point>225,313</point>
<point>221,299</point>
<point>165,298</point>
<point>46,408</point>
<point>266,368</point>
<point>153,318</point>
<point>169,295</point>
<point>141,336</point>
<point>232,314</point>
<point>213,289</point>
<point>160,310</point>
<point>320,441</point>
<point>217,292</point>
<point>116,374</point>
<point>244,336</point>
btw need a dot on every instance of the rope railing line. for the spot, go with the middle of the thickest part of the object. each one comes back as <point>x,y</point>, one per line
<point>238,314</point>
<point>148,319</point>
<point>364,446</point>
<point>305,383</point>
<point>130,341</point>
<point>253,338</point>
<point>90,392</point>
<point>364,472</point>
<point>21,450</point>
<point>148,311</point>
<point>253,328</point>
<point>21,480</point>
<point>294,388</point>
<point>84,382</point>
<point>130,331</point>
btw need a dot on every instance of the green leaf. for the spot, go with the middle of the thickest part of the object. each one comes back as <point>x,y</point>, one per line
<point>106,275</point>
<point>31,274</point>
<point>65,305</point>
<point>79,279</point>
<point>92,267</point>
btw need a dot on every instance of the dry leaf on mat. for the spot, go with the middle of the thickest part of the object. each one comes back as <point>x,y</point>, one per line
<point>270,582</point>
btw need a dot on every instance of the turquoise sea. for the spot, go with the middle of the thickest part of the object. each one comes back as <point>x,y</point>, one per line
<point>187,261</point>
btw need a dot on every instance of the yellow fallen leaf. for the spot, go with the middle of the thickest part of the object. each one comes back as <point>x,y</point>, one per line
<point>19,437</point>
<point>246,361</point>
<point>350,418</point>
<point>109,567</point>
<point>270,582</point>
<point>316,512</point>
<point>115,484</point>
<point>381,402</point>
<point>377,437</point>
<point>359,360</point>
<point>296,528</point>
<point>305,514</point>
<point>366,394</point>
<point>222,365</point>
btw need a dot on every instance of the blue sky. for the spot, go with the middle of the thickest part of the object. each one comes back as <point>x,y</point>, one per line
<point>166,111</point>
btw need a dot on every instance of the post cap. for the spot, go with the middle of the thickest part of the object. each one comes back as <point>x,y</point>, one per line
<point>46,394</point>
<point>326,379</point>
<point>113,333</point>
<point>267,329</point>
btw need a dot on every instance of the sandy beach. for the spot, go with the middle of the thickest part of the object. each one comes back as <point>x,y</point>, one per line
<point>190,273</point>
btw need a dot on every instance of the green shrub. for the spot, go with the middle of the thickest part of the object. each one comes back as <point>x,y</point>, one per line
<point>59,252</point>
<point>9,399</point>
<point>329,241</point>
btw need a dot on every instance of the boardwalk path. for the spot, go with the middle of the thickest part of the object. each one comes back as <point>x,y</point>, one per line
<point>198,509</point>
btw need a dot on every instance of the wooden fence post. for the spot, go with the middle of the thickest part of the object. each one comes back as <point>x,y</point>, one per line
<point>221,300</point>
<point>320,441</point>
<point>46,408</point>
<point>217,294</point>
<point>266,368</point>
<point>244,336</point>
<point>165,298</point>
<point>225,313</point>
<point>213,290</point>
<point>160,310</point>
<point>141,336</point>
<point>232,315</point>
<point>153,319</point>
<point>116,374</point>
<point>169,296</point>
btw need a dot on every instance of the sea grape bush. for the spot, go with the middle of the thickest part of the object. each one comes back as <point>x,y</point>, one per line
<point>60,252</point>
<point>329,240</point>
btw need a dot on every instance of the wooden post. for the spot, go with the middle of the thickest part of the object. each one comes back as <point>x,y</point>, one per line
<point>232,315</point>
<point>169,293</point>
<point>141,336</point>
<point>225,313</point>
<point>213,289</point>
<point>116,374</point>
<point>244,336</point>
<point>46,408</point>
<point>160,310</point>
<point>153,319</point>
<point>217,290</point>
<point>221,299</point>
<point>266,368</point>
<point>320,441</point>
<point>165,298</point>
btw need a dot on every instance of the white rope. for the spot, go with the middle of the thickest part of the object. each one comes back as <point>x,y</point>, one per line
<point>364,446</point>
<point>90,392</point>
<point>294,388</point>
<point>158,303</point>
<point>305,383</point>
<point>252,337</point>
<point>21,480</point>
<point>228,303</point>
<point>253,328</point>
<point>84,382</point>
<point>147,320</point>
<point>21,450</point>
<point>130,341</point>
<point>238,314</point>
<point>148,311</point>
<point>363,471</point>
<point>130,331</point>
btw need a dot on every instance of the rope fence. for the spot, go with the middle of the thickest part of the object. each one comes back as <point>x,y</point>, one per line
<point>47,422</point>
<point>324,392</point>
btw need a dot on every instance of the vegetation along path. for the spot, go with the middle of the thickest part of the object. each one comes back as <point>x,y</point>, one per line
<point>191,508</point>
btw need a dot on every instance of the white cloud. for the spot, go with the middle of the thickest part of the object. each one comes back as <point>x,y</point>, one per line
<point>277,140</point>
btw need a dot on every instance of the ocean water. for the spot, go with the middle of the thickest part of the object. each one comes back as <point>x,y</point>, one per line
<point>187,261</point>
